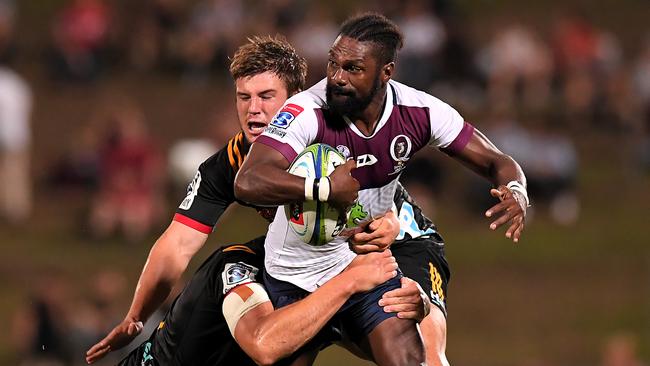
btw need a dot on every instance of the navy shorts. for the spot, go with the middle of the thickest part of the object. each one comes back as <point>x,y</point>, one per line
<point>360,314</point>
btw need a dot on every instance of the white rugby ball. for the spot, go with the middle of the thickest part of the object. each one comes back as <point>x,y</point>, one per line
<point>315,222</point>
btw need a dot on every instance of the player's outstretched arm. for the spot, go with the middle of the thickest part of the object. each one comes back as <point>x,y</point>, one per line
<point>506,175</point>
<point>263,180</point>
<point>267,335</point>
<point>379,235</point>
<point>167,261</point>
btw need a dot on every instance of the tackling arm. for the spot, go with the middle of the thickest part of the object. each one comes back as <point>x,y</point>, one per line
<point>267,335</point>
<point>167,261</point>
<point>165,265</point>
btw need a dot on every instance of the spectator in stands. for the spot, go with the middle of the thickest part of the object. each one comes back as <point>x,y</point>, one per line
<point>15,132</point>
<point>80,38</point>
<point>517,59</point>
<point>130,177</point>
<point>420,59</point>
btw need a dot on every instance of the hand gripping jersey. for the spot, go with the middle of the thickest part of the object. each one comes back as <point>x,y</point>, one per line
<point>411,120</point>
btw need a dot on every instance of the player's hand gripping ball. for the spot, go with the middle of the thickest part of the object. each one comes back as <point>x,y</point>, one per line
<point>315,222</point>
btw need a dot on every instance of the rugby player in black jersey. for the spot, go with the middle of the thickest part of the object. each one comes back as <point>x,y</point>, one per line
<point>266,72</point>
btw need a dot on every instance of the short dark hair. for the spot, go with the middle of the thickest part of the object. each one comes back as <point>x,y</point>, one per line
<point>275,54</point>
<point>376,28</point>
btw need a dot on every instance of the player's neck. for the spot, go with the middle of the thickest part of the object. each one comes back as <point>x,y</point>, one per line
<point>368,119</point>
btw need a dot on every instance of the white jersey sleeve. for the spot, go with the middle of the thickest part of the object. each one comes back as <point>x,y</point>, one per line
<point>446,122</point>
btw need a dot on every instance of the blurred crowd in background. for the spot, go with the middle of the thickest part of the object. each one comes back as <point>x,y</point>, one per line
<point>533,88</point>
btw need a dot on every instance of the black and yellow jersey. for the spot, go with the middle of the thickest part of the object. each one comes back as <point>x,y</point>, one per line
<point>194,331</point>
<point>212,189</point>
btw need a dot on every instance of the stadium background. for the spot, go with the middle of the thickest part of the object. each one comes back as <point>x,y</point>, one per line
<point>575,291</point>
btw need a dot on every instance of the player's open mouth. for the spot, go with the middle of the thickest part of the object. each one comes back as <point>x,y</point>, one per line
<point>256,128</point>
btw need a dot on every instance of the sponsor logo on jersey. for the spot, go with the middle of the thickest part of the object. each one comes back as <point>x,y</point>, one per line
<point>357,215</point>
<point>286,115</point>
<point>235,274</point>
<point>275,131</point>
<point>295,210</point>
<point>192,191</point>
<point>147,358</point>
<point>365,160</point>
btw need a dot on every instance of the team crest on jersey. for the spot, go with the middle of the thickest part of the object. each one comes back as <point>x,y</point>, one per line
<point>286,115</point>
<point>400,151</point>
<point>235,274</point>
<point>400,148</point>
<point>192,191</point>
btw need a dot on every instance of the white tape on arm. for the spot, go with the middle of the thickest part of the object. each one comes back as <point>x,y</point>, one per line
<point>516,186</point>
<point>309,189</point>
<point>241,300</point>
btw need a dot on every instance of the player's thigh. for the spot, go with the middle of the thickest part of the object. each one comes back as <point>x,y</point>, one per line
<point>396,342</point>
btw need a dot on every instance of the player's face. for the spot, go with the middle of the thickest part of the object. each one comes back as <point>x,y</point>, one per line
<point>259,97</point>
<point>354,76</point>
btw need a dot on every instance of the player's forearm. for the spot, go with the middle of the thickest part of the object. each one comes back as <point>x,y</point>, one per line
<point>264,184</point>
<point>483,157</point>
<point>504,170</point>
<point>285,330</point>
<point>164,267</point>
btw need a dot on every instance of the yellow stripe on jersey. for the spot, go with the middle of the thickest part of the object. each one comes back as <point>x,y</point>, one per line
<point>161,325</point>
<point>236,149</point>
<point>239,247</point>
<point>230,153</point>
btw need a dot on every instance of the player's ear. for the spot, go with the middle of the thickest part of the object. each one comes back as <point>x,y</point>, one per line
<point>387,71</point>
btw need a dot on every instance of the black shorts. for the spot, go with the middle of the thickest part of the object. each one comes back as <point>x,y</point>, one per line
<point>141,356</point>
<point>423,260</point>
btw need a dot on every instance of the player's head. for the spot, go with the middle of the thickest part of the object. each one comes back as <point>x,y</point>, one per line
<point>361,61</point>
<point>267,70</point>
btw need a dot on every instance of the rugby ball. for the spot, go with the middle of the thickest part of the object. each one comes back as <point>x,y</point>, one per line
<point>315,222</point>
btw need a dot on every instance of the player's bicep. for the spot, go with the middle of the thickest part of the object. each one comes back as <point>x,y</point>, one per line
<point>479,153</point>
<point>246,327</point>
<point>244,300</point>
<point>261,155</point>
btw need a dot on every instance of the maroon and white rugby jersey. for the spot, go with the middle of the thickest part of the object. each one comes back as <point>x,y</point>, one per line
<point>410,121</point>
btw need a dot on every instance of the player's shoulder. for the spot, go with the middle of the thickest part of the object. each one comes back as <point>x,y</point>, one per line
<point>242,263</point>
<point>230,156</point>
<point>311,98</point>
<point>411,97</point>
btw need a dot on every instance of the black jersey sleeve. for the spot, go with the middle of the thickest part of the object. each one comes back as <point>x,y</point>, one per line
<point>212,189</point>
